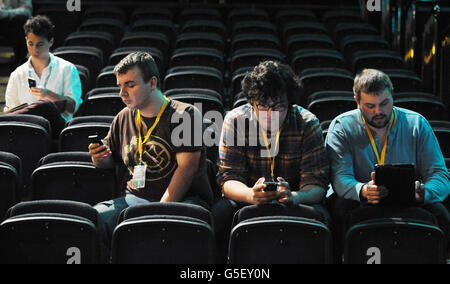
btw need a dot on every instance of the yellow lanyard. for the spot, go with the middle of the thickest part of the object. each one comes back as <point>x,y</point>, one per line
<point>372,141</point>
<point>149,132</point>
<point>272,165</point>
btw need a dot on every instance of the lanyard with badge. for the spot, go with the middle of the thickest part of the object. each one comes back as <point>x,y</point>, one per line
<point>139,171</point>
<point>272,163</point>
<point>381,159</point>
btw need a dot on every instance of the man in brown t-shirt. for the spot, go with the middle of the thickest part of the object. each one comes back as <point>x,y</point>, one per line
<point>144,137</point>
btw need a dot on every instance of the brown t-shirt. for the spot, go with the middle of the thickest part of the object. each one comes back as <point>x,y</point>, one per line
<point>178,130</point>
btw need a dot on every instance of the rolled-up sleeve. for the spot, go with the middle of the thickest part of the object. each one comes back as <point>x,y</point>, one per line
<point>432,165</point>
<point>340,155</point>
<point>232,158</point>
<point>315,167</point>
<point>72,86</point>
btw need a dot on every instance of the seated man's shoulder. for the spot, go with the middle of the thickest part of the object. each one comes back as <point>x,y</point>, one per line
<point>63,64</point>
<point>179,106</point>
<point>241,111</point>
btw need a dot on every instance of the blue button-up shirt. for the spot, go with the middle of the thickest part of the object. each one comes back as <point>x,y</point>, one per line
<point>410,140</point>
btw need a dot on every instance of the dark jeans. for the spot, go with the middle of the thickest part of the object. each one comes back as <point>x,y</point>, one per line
<point>346,212</point>
<point>223,212</point>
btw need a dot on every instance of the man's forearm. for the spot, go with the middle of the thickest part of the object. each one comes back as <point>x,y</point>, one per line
<point>179,184</point>
<point>311,194</point>
<point>236,190</point>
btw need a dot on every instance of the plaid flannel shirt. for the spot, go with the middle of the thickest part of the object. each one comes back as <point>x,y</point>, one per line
<point>301,159</point>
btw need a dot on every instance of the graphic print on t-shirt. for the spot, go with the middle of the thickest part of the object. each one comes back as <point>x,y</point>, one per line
<point>157,156</point>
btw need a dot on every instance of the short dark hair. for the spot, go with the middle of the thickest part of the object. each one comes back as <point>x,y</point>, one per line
<point>143,60</point>
<point>41,26</point>
<point>270,79</point>
<point>371,81</point>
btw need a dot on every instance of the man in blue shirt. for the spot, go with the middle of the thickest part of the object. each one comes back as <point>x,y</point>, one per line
<point>379,133</point>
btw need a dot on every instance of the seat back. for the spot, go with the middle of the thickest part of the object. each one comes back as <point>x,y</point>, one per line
<point>394,240</point>
<point>288,235</point>
<point>75,136</point>
<point>164,233</point>
<point>50,232</point>
<point>28,137</point>
<point>10,181</point>
<point>72,179</point>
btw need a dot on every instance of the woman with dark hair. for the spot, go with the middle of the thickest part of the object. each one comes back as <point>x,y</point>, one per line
<point>49,85</point>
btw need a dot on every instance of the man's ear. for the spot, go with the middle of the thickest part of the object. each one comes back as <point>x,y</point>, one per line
<point>51,41</point>
<point>356,100</point>
<point>154,83</point>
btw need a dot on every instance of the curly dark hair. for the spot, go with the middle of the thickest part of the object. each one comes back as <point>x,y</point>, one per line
<point>41,26</point>
<point>271,79</point>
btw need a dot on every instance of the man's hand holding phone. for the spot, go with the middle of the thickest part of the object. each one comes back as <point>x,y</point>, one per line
<point>97,149</point>
<point>261,195</point>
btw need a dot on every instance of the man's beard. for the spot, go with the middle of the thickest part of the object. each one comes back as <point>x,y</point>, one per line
<point>373,123</point>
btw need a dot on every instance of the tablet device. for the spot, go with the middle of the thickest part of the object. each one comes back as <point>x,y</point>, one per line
<point>399,179</point>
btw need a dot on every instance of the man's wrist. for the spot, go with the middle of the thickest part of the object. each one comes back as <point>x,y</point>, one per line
<point>361,194</point>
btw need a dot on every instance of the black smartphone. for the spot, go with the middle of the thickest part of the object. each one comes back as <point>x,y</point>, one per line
<point>31,83</point>
<point>95,139</point>
<point>271,186</point>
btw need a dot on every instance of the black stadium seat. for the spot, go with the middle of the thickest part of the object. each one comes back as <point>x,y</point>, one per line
<point>72,176</point>
<point>313,58</point>
<point>87,56</point>
<point>250,57</point>
<point>205,26</point>
<point>326,105</point>
<point>285,16</point>
<point>112,26</point>
<point>74,137</point>
<point>28,137</point>
<point>294,234</point>
<point>326,81</point>
<point>442,131</point>
<point>102,101</point>
<point>164,233</point>
<point>254,40</point>
<point>209,57</point>
<point>200,39</point>
<point>10,181</point>
<point>50,232</point>
<point>394,241</point>
<point>194,77</point>
<point>102,40</point>
<point>301,27</point>
<point>376,59</point>
<point>253,27</point>
<point>428,105</point>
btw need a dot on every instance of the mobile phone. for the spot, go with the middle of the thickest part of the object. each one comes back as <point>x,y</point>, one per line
<point>95,139</point>
<point>271,186</point>
<point>31,83</point>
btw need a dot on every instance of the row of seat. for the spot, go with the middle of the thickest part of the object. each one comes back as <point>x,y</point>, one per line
<point>200,39</point>
<point>57,231</point>
<point>40,171</point>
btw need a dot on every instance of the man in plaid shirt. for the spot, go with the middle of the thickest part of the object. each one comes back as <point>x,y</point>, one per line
<point>294,156</point>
